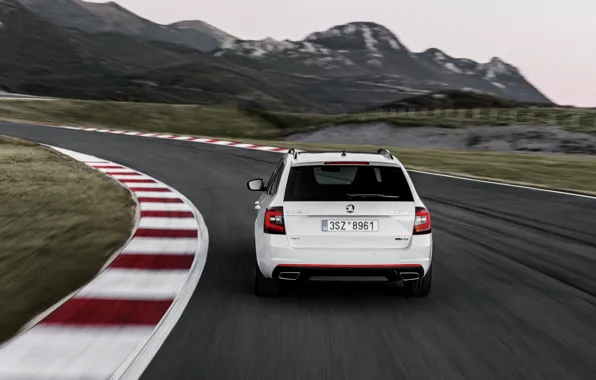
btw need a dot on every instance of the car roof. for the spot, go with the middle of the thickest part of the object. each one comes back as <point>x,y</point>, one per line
<point>310,158</point>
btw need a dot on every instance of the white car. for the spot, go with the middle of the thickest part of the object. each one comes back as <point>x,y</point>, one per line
<point>338,215</point>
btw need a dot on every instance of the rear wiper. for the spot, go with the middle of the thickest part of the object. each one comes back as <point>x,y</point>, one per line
<point>372,196</point>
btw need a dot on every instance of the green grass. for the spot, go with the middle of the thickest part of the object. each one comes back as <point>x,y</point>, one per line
<point>197,120</point>
<point>59,223</point>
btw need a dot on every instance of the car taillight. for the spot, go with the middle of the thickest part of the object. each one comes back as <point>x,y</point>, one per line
<point>422,222</point>
<point>274,221</point>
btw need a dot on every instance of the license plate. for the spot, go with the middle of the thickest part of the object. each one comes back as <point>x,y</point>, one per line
<point>350,225</point>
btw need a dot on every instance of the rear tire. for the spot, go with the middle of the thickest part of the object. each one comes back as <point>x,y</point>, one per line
<point>265,287</point>
<point>421,287</point>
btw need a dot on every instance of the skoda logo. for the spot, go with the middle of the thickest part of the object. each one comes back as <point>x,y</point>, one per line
<point>350,209</point>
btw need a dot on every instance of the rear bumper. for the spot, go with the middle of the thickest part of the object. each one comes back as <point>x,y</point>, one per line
<point>275,256</point>
<point>390,272</point>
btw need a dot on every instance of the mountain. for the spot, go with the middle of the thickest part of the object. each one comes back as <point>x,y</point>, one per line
<point>112,17</point>
<point>40,58</point>
<point>77,49</point>
<point>201,82</point>
<point>24,54</point>
<point>495,77</point>
<point>372,59</point>
<point>30,45</point>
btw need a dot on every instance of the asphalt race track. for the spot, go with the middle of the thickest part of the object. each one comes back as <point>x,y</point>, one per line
<point>514,293</point>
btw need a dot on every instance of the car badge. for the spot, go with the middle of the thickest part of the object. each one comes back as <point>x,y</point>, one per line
<point>350,209</point>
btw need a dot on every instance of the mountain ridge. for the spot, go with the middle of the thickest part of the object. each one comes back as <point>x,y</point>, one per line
<point>203,27</point>
<point>113,17</point>
<point>364,47</point>
<point>344,68</point>
<point>38,57</point>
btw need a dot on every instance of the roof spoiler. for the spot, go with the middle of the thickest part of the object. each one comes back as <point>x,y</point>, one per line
<point>385,153</point>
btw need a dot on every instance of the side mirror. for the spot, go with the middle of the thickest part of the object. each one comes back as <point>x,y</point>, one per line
<point>255,185</point>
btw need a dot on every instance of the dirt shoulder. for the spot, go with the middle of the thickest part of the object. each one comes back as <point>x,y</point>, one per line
<point>59,223</point>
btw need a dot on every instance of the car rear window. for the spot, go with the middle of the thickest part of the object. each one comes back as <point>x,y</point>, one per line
<point>347,183</point>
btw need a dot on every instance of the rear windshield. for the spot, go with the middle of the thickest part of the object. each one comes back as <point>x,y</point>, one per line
<point>347,183</point>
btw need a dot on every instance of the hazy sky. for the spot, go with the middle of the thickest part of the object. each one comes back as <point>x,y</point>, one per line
<point>553,42</point>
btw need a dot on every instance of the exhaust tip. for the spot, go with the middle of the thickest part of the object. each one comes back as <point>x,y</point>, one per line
<point>289,276</point>
<point>409,276</point>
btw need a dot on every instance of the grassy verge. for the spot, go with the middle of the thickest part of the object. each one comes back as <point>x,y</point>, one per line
<point>59,222</point>
<point>194,120</point>
<point>230,122</point>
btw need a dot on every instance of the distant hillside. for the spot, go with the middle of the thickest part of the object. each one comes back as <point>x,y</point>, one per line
<point>112,17</point>
<point>213,81</point>
<point>30,45</point>
<point>40,58</point>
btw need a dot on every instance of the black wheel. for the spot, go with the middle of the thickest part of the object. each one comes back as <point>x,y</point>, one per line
<point>421,287</point>
<point>265,286</point>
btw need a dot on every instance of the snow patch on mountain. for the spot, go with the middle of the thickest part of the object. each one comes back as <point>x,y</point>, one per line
<point>204,27</point>
<point>270,46</point>
<point>496,67</point>
<point>369,40</point>
<point>476,91</point>
<point>349,29</point>
<point>439,56</point>
<point>394,44</point>
<point>450,66</point>
<point>309,47</point>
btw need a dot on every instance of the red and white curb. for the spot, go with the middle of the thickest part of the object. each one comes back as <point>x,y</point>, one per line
<point>112,327</point>
<point>181,138</point>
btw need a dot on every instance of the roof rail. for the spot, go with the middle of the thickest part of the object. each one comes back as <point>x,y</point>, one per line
<point>385,153</point>
<point>293,152</point>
